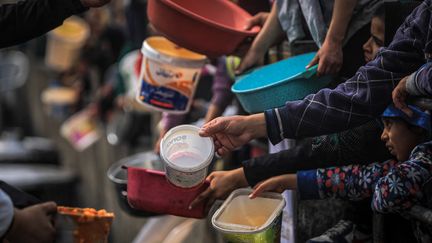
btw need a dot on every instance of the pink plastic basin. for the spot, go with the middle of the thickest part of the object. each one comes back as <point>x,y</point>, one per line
<point>150,191</point>
<point>209,27</point>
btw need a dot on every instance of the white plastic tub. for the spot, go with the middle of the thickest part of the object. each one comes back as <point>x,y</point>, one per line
<point>186,155</point>
<point>169,75</point>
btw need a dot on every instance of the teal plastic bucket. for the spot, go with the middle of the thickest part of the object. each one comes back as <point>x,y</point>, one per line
<point>272,85</point>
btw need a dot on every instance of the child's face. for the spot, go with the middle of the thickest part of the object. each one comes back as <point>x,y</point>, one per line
<point>399,139</point>
<point>370,48</point>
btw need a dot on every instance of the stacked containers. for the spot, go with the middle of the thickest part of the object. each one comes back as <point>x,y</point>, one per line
<point>169,76</point>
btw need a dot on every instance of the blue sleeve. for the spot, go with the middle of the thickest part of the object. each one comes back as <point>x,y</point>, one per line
<point>401,188</point>
<point>366,94</point>
<point>307,187</point>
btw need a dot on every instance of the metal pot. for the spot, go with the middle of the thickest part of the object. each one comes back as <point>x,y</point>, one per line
<point>117,173</point>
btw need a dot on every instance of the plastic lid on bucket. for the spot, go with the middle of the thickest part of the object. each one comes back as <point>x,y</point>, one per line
<point>160,48</point>
<point>183,149</point>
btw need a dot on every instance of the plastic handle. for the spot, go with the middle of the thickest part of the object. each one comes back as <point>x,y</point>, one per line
<point>310,71</point>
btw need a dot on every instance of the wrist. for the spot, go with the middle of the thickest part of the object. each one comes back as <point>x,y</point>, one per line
<point>239,178</point>
<point>291,182</point>
<point>257,125</point>
<point>334,40</point>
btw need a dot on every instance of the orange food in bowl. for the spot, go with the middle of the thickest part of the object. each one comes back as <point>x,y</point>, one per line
<point>84,225</point>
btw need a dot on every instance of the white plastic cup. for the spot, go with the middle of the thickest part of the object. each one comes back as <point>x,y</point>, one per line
<point>186,155</point>
<point>64,43</point>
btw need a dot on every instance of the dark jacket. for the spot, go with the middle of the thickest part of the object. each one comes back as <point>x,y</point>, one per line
<point>25,20</point>
<point>359,145</point>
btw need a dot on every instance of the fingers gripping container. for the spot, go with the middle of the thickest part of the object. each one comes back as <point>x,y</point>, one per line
<point>169,75</point>
<point>186,155</point>
<point>258,220</point>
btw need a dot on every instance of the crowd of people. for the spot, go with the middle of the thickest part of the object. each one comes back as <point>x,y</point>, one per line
<point>365,138</point>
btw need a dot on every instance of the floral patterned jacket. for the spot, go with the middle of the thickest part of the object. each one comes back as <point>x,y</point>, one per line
<point>393,185</point>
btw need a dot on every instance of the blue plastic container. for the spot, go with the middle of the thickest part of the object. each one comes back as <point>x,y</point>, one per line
<point>272,85</point>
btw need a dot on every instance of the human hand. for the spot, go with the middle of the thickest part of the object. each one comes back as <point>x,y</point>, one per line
<point>276,184</point>
<point>232,132</point>
<point>329,58</point>
<point>253,57</point>
<point>94,3</point>
<point>399,95</point>
<point>257,20</point>
<point>222,183</point>
<point>33,224</point>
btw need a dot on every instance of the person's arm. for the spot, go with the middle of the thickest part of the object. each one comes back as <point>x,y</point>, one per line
<point>419,83</point>
<point>401,188</point>
<point>416,84</point>
<point>329,57</point>
<point>270,34</point>
<point>25,20</point>
<point>221,88</point>
<point>359,145</point>
<point>352,182</point>
<point>362,97</point>
<point>6,213</point>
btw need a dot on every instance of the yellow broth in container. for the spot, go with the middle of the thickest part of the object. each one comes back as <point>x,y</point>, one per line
<point>241,219</point>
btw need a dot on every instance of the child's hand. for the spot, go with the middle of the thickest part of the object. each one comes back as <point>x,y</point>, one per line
<point>276,184</point>
<point>222,183</point>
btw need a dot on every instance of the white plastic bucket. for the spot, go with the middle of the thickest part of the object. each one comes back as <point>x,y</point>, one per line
<point>169,75</point>
<point>64,43</point>
<point>186,155</point>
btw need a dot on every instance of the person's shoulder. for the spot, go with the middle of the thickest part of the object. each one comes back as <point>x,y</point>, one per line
<point>422,151</point>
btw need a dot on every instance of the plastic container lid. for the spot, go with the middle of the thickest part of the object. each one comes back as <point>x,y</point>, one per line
<point>202,145</point>
<point>160,48</point>
<point>273,74</point>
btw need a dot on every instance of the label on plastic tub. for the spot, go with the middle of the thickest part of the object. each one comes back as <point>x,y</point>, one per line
<point>167,87</point>
<point>185,179</point>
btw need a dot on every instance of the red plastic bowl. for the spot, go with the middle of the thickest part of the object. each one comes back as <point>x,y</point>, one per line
<point>149,190</point>
<point>209,27</point>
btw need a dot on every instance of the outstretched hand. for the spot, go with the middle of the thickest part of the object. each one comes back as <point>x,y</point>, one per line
<point>230,133</point>
<point>329,58</point>
<point>222,183</point>
<point>33,224</point>
<point>275,184</point>
<point>399,96</point>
